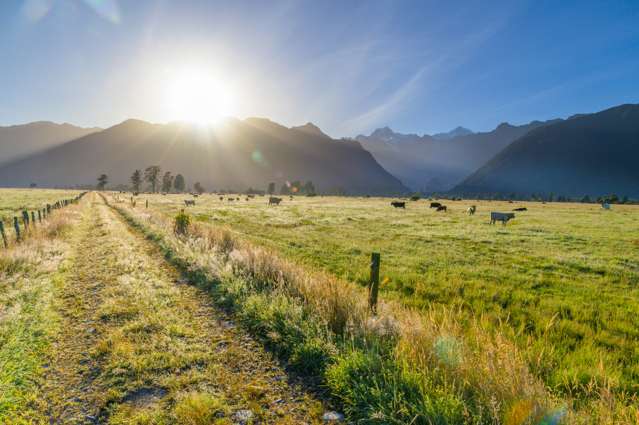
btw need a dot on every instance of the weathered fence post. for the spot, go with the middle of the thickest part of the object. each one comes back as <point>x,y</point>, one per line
<point>4,236</point>
<point>147,204</point>
<point>373,286</point>
<point>33,218</point>
<point>48,208</point>
<point>39,216</point>
<point>25,219</point>
<point>16,225</point>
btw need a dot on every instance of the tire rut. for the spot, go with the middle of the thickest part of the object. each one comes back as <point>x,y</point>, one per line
<point>139,342</point>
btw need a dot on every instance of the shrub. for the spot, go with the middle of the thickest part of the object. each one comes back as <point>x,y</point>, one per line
<point>182,222</point>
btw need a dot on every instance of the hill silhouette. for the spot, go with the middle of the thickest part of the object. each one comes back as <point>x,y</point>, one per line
<point>234,155</point>
<point>587,154</point>
<point>18,141</point>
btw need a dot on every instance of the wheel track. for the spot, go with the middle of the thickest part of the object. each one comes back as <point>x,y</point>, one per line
<point>137,341</point>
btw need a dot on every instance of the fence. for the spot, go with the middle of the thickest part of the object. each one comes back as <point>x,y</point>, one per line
<point>30,222</point>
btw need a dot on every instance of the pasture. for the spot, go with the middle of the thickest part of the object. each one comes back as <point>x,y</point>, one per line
<point>562,277</point>
<point>13,201</point>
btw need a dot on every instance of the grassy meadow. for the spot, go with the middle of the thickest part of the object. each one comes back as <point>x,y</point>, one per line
<point>562,276</point>
<point>14,201</point>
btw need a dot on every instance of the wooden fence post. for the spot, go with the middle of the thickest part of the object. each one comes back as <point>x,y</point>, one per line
<point>4,236</point>
<point>33,218</point>
<point>147,204</point>
<point>25,219</point>
<point>16,225</point>
<point>373,286</point>
<point>39,216</point>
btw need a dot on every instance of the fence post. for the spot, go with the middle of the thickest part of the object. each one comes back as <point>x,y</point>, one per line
<point>25,218</point>
<point>33,218</point>
<point>147,204</point>
<point>39,216</point>
<point>373,286</point>
<point>4,236</point>
<point>16,225</point>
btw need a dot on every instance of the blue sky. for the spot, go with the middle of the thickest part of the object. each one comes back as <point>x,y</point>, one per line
<point>347,66</point>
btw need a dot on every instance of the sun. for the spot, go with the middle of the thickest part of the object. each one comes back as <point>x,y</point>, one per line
<point>198,96</point>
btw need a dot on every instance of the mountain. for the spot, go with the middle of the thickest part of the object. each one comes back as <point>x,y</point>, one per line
<point>428,163</point>
<point>456,132</point>
<point>587,154</point>
<point>18,141</point>
<point>234,155</point>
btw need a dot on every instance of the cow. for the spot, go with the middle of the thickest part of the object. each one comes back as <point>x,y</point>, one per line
<point>503,217</point>
<point>520,209</point>
<point>188,202</point>
<point>442,208</point>
<point>471,210</point>
<point>231,199</point>
<point>274,200</point>
<point>397,204</point>
<point>221,198</point>
<point>435,205</point>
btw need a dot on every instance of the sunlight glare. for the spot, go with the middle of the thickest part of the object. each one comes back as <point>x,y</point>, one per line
<point>199,97</point>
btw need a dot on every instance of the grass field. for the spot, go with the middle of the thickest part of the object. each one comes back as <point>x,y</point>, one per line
<point>530,323</point>
<point>563,276</point>
<point>13,201</point>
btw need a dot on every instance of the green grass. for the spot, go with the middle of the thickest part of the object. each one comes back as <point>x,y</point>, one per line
<point>563,276</point>
<point>14,201</point>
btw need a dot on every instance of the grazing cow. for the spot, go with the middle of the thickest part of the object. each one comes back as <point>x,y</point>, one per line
<point>442,208</point>
<point>521,209</point>
<point>273,200</point>
<point>188,202</point>
<point>221,198</point>
<point>503,217</point>
<point>231,199</point>
<point>471,210</point>
<point>399,204</point>
<point>435,205</point>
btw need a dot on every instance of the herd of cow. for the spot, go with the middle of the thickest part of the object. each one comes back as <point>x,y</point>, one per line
<point>494,216</point>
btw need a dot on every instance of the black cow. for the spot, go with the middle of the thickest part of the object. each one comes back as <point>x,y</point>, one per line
<point>521,209</point>
<point>442,208</point>
<point>435,205</point>
<point>397,204</point>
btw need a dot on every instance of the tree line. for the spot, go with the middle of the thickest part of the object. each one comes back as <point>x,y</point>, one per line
<point>152,175</point>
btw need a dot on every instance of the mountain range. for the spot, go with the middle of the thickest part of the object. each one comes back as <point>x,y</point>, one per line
<point>235,155</point>
<point>435,163</point>
<point>587,154</point>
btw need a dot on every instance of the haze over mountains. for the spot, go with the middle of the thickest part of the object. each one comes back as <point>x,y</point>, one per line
<point>587,154</point>
<point>235,155</point>
<point>435,163</point>
<point>18,141</point>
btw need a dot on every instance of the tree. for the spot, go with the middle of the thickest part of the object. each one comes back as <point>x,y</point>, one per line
<point>102,181</point>
<point>198,188</point>
<point>309,188</point>
<point>585,199</point>
<point>271,188</point>
<point>178,183</point>
<point>136,180</point>
<point>152,175</point>
<point>167,182</point>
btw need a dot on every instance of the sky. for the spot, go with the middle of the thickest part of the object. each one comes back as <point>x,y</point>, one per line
<point>347,66</point>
